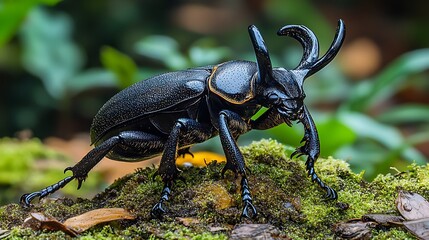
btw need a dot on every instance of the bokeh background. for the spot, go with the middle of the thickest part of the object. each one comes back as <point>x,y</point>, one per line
<point>61,60</point>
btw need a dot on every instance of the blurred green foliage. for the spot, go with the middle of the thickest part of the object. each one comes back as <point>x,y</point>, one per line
<point>64,60</point>
<point>121,65</point>
<point>48,50</point>
<point>17,173</point>
<point>12,13</point>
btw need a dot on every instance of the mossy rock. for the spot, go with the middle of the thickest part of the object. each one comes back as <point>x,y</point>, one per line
<point>206,206</point>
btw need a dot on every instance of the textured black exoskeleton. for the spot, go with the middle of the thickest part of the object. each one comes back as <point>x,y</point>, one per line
<point>170,112</point>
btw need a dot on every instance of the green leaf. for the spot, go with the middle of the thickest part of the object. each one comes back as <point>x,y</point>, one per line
<point>368,129</point>
<point>163,49</point>
<point>204,52</point>
<point>12,14</point>
<point>388,81</point>
<point>91,78</point>
<point>48,50</point>
<point>120,64</point>
<point>333,134</point>
<point>412,113</point>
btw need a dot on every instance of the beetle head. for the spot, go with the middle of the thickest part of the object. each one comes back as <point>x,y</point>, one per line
<point>282,88</point>
<point>285,94</point>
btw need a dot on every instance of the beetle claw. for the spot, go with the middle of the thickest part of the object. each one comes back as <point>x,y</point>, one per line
<point>157,211</point>
<point>28,197</point>
<point>68,169</point>
<point>182,152</point>
<point>246,213</point>
<point>79,183</point>
<point>297,153</point>
<point>155,175</point>
<point>331,193</point>
<point>226,168</point>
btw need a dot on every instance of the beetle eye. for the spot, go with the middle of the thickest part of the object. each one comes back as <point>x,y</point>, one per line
<point>273,98</point>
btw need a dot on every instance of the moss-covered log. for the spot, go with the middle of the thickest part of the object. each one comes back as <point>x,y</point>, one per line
<point>209,207</point>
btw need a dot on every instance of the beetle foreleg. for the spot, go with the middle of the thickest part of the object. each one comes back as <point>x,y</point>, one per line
<point>235,161</point>
<point>311,148</point>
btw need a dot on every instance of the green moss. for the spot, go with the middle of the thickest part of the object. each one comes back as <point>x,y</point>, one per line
<point>282,192</point>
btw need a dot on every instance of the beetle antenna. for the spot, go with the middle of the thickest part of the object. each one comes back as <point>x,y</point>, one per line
<point>265,69</point>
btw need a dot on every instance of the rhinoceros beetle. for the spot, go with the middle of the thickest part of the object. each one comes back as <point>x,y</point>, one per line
<point>170,112</point>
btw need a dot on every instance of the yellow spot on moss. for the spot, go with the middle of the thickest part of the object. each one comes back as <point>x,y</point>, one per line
<point>200,159</point>
<point>216,194</point>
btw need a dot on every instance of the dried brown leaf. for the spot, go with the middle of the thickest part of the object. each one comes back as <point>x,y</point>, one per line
<point>412,206</point>
<point>255,231</point>
<point>383,219</point>
<point>187,221</point>
<point>354,229</point>
<point>420,228</point>
<point>4,233</point>
<point>89,219</point>
<point>39,221</point>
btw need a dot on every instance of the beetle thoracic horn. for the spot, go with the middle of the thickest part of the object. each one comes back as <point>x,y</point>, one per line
<point>265,69</point>
<point>308,40</point>
<point>332,51</point>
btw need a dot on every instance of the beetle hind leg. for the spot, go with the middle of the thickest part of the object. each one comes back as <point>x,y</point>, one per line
<point>81,169</point>
<point>28,197</point>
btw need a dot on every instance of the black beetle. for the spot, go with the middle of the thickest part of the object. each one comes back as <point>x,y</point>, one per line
<point>170,112</point>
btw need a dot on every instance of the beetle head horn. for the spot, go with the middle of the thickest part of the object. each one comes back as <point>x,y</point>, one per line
<point>265,69</point>
<point>310,60</point>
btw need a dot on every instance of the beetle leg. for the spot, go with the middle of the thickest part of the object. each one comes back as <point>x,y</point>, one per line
<point>82,168</point>
<point>28,197</point>
<point>158,209</point>
<point>80,171</point>
<point>187,129</point>
<point>235,161</point>
<point>311,148</point>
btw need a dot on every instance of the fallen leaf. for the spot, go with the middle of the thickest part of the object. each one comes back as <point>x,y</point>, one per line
<point>412,206</point>
<point>420,228</point>
<point>187,221</point>
<point>39,221</point>
<point>75,225</point>
<point>4,233</point>
<point>89,219</point>
<point>383,219</point>
<point>354,229</point>
<point>218,229</point>
<point>254,231</point>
